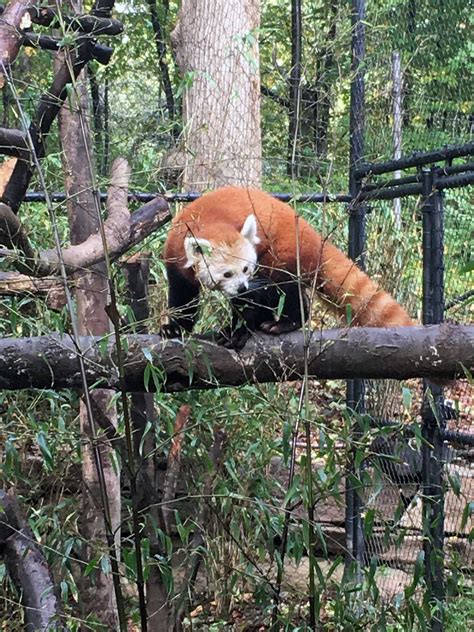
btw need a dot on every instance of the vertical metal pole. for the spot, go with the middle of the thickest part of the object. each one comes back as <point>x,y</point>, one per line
<point>355,388</point>
<point>433,419</point>
<point>295,89</point>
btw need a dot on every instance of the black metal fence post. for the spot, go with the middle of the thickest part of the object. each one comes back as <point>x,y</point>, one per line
<point>433,424</point>
<point>355,388</point>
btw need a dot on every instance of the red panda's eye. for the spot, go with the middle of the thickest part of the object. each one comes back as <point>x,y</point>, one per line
<point>228,274</point>
<point>245,270</point>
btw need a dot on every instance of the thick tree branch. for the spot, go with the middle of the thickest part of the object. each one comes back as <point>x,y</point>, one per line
<point>13,142</point>
<point>437,351</point>
<point>14,20</point>
<point>99,52</point>
<point>28,568</point>
<point>51,101</point>
<point>51,288</point>
<point>163,64</point>
<point>93,24</point>
<point>122,230</point>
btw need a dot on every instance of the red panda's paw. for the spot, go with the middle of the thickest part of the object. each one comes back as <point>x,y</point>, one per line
<point>279,327</point>
<point>235,340</point>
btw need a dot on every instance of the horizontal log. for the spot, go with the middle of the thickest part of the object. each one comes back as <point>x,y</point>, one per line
<point>50,288</point>
<point>437,351</point>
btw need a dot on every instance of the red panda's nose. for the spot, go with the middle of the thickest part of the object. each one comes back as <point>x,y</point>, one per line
<point>242,287</point>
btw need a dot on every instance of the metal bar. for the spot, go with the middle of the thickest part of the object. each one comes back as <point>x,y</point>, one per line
<point>456,181</point>
<point>446,182</point>
<point>416,159</point>
<point>357,102</point>
<point>445,171</point>
<point>451,169</point>
<point>433,421</point>
<point>393,182</point>
<point>140,196</point>
<point>356,388</point>
<point>455,436</point>
<point>437,255</point>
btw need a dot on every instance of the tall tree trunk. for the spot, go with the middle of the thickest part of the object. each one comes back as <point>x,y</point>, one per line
<point>162,62</point>
<point>324,84</point>
<point>397,81</point>
<point>217,52</point>
<point>408,78</point>
<point>96,590</point>
<point>294,133</point>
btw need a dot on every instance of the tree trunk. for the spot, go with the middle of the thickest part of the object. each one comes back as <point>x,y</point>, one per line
<point>397,128</point>
<point>324,85</point>
<point>97,591</point>
<point>143,413</point>
<point>294,114</point>
<point>217,53</point>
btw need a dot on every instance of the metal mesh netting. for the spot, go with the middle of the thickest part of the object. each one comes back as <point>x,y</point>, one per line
<point>418,81</point>
<point>432,43</point>
<point>394,496</point>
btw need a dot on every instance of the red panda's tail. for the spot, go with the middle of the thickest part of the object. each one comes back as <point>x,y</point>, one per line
<point>343,284</point>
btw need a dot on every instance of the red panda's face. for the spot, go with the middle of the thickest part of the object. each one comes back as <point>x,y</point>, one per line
<point>225,266</point>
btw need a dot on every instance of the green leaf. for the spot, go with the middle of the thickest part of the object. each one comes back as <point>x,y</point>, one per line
<point>42,441</point>
<point>469,267</point>
<point>407,397</point>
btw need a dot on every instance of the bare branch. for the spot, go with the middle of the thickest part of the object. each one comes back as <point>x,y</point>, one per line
<point>96,25</point>
<point>122,231</point>
<point>51,288</point>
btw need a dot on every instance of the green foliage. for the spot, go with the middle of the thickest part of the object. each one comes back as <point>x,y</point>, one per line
<point>251,500</point>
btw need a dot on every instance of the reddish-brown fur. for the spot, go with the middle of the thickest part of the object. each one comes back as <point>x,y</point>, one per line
<point>285,239</point>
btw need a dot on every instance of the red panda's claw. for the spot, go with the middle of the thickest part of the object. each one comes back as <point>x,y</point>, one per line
<point>170,331</point>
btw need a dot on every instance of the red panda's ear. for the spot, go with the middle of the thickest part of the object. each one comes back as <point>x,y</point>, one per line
<point>195,248</point>
<point>249,230</point>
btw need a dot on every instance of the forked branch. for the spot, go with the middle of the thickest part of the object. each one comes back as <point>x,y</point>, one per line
<point>122,230</point>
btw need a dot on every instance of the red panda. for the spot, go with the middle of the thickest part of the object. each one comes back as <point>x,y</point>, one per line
<point>224,238</point>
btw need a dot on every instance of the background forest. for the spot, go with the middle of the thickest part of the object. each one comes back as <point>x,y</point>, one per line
<point>236,448</point>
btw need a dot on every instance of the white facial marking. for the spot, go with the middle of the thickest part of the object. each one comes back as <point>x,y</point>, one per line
<point>227,268</point>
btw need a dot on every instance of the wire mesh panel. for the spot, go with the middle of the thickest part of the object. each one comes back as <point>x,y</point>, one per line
<point>417,66</point>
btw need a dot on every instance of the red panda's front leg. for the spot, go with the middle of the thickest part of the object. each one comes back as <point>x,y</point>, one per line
<point>183,303</point>
<point>290,316</point>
